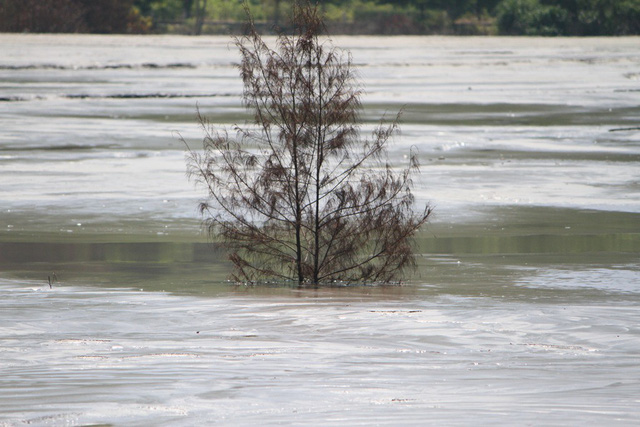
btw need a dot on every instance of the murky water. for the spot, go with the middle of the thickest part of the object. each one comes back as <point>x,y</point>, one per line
<point>525,308</point>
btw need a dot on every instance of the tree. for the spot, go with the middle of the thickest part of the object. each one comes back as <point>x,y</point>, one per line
<point>107,16</point>
<point>201,11</point>
<point>186,7</point>
<point>298,194</point>
<point>530,17</point>
<point>71,16</point>
<point>41,16</point>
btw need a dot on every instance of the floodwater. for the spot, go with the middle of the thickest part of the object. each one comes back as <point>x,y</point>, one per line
<point>525,308</point>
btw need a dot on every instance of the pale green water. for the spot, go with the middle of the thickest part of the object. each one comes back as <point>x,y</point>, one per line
<point>525,308</point>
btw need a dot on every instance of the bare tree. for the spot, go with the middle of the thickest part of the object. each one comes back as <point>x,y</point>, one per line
<point>298,194</point>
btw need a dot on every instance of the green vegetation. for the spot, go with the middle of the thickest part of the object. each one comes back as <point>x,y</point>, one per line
<point>569,17</point>
<point>509,17</point>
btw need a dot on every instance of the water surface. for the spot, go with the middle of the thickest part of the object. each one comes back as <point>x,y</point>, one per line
<point>524,309</point>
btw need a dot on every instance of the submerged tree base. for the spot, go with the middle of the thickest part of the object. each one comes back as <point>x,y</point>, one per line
<point>293,284</point>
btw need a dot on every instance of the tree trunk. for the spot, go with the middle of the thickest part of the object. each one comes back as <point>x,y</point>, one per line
<point>319,161</point>
<point>276,14</point>
<point>201,11</point>
<point>187,6</point>
<point>298,221</point>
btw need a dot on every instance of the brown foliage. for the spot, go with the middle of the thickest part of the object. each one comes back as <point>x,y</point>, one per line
<point>107,16</point>
<point>40,16</point>
<point>70,16</point>
<point>298,194</point>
